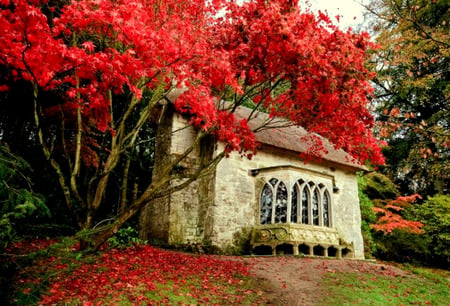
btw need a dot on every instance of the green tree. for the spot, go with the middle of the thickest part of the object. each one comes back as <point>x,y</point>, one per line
<point>387,226</point>
<point>412,91</point>
<point>434,213</point>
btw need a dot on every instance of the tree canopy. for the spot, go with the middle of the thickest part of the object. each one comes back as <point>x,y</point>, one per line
<point>97,69</point>
<point>412,91</point>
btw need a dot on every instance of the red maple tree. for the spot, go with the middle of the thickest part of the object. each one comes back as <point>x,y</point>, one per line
<point>110,62</point>
<point>389,218</point>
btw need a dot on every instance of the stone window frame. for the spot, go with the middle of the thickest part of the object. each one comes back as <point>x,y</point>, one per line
<point>301,185</point>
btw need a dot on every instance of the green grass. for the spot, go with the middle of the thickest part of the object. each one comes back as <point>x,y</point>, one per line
<point>419,287</point>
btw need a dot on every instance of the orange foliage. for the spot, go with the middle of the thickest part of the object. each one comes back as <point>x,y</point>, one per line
<point>389,219</point>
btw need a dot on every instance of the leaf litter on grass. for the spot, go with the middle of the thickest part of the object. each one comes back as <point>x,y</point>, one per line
<point>141,274</point>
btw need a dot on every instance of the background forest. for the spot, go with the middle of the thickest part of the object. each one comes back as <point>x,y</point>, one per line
<point>412,106</point>
<point>405,203</point>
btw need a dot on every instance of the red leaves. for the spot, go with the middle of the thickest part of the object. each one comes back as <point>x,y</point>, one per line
<point>29,246</point>
<point>125,273</point>
<point>88,45</point>
<point>94,47</point>
<point>324,67</point>
<point>389,219</point>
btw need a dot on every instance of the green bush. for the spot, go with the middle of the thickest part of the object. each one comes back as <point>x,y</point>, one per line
<point>402,246</point>
<point>19,204</point>
<point>124,238</point>
<point>429,248</point>
<point>368,217</point>
<point>379,186</point>
<point>434,213</point>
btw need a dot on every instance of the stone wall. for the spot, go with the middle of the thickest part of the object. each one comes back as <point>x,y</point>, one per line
<point>181,217</point>
<point>154,218</point>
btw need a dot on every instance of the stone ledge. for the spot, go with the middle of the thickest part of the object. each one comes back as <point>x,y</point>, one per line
<point>308,239</point>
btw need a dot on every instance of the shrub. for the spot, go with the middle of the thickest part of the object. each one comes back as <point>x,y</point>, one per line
<point>434,213</point>
<point>124,238</point>
<point>20,205</point>
<point>368,217</point>
<point>402,246</point>
<point>379,186</point>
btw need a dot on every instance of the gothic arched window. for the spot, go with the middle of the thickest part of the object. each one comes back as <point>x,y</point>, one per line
<point>315,207</point>
<point>307,203</point>
<point>326,208</point>
<point>294,204</point>
<point>266,205</point>
<point>281,204</point>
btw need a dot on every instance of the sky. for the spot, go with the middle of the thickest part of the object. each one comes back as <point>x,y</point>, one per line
<point>350,11</point>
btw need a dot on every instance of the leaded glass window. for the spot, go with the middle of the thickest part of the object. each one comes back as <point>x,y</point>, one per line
<point>294,204</point>
<point>315,207</point>
<point>281,204</point>
<point>305,205</point>
<point>325,208</point>
<point>273,181</point>
<point>266,205</point>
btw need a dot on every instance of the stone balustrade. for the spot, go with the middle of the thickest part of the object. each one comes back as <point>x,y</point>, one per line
<point>294,239</point>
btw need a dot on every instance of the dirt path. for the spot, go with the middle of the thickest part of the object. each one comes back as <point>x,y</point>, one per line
<point>297,281</point>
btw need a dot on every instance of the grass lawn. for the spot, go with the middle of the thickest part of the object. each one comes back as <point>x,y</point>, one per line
<point>420,286</point>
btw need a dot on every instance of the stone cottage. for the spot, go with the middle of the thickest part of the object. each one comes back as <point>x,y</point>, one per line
<point>276,201</point>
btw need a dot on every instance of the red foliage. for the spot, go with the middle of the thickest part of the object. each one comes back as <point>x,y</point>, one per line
<point>390,220</point>
<point>186,44</point>
<point>123,273</point>
<point>29,246</point>
<point>270,41</point>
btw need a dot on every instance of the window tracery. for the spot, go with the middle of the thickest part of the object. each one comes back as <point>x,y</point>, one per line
<point>294,205</point>
<point>266,205</point>
<point>281,204</point>
<point>305,205</point>
<point>302,202</point>
<point>325,209</point>
<point>315,207</point>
